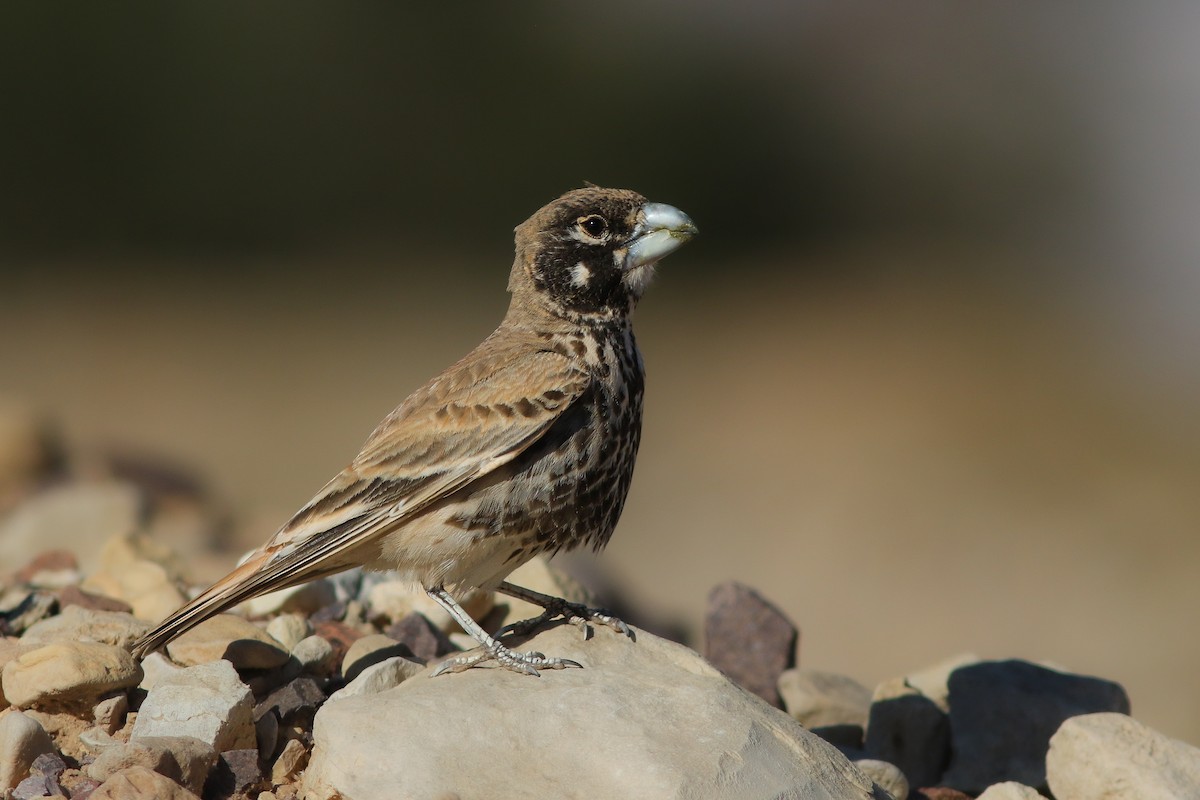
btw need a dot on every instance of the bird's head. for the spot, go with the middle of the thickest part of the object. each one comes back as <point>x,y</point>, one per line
<point>591,252</point>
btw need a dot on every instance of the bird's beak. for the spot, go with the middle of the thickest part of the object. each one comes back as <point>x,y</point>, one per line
<point>660,230</point>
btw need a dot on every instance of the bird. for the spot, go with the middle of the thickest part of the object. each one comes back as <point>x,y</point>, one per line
<point>524,447</point>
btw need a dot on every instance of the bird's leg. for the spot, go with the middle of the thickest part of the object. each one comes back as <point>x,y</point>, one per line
<point>577,614</point>
<point>490,650</point>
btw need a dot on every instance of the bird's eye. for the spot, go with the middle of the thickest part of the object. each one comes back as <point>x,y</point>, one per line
<point>594,226</point>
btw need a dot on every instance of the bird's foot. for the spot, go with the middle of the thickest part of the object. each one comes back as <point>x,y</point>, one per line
<point>524,663</point>
<point>577,614</point>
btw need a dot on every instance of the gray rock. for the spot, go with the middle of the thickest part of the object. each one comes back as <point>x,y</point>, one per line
<point>293,704</point>
<point>207,702</point>
<point>425,640</point>
<point>908,729</point>
<point>648,718</point>
<point>817,698</point>
<point>68,673</point>
<point>237,772</point>
<point>888,776</point>
<point>1003,713</point>
<point>1113,757</point>
<point>77,623</point>
<point>1011,790</point>
<point>43,778</point>
<point>749,640</point>
<point>22,740</point>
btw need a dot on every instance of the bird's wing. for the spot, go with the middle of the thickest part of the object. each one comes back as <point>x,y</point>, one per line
<point>478,415</point>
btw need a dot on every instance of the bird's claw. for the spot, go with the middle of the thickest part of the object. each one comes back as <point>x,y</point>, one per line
<point>514,660</point>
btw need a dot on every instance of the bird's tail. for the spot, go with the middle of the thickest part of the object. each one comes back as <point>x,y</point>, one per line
<point>252,578</point>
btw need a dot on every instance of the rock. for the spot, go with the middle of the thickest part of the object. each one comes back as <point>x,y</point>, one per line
<point>1108,756</point>
<point>933,681</point>
<point>49,569</point>
<point>139,572</point>
<point>266,733</point>
<point>74,596</point>
<point>316,656</point>
<point>207,701</point>
<point>25,610</point>
<point>64,729</point>
<point>908,729</point>
<point>305,599</point>
<point>139,783</point>
<point>937,793</point>
<point>1011,790</point>
<point>38,786</point>
<point>72,517</point>
<point>372,649</point>
<point>425,640</point>
<point>290,764</point>
<point>338,634</point>
<point>155,668</point>
<point>237,772</point>
<point>675,726</point>
<point>66,673</point>
<point>847,738</point>
<point>109,713</point>
<point>76,623</point>
<point>10,648</point>
<point>1003,713</point>
<point>888,776</point>
<point>43,778</point>
<point>817,699</point>
<point>749,639</point>
<point>379,677</point>
<point>539,575</point>
<point>265,681</point>
<point>22,740</point>
<point>391,601</point>
<point>228,637</point>
<point>295,703</point>
<point>183,759</point>
<point>289,629</point>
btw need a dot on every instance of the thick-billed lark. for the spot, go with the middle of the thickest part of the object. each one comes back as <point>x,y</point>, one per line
<point>525,446</point>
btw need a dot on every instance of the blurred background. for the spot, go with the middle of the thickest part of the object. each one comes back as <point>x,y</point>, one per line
<point>928,379</point>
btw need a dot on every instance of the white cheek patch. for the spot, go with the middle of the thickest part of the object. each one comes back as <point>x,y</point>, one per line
<point>619,256</point>
<point>637,279</point>
<point>580,274</point>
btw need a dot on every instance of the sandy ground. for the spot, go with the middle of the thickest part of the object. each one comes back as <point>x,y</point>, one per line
<point>910,470</point>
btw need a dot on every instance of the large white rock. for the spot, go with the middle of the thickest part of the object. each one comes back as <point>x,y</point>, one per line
<point>208,702</point>
<point>644,719</point>
<point>1109,756</point>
